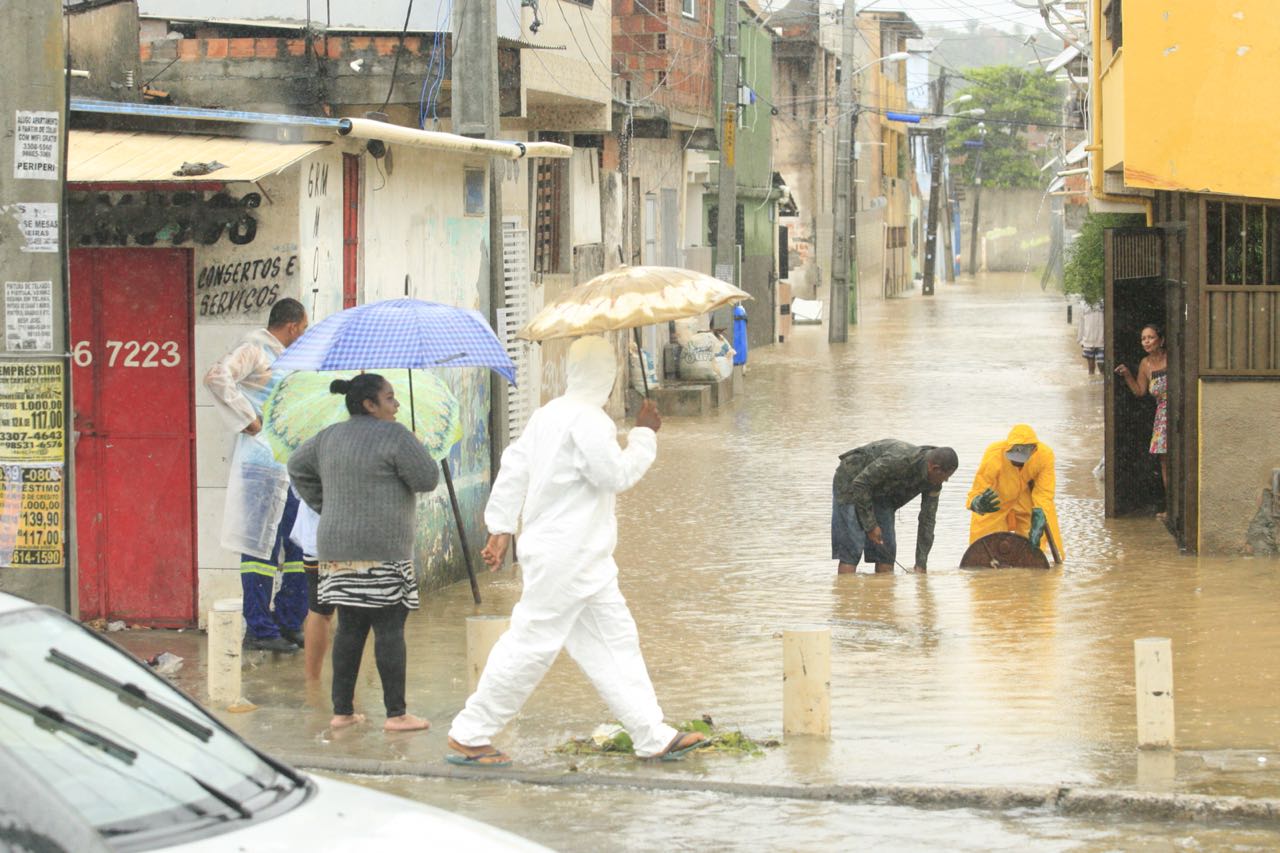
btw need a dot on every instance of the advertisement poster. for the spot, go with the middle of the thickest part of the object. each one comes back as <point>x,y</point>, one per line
<point>31,508</point>
<point>38,223</point>
<point>28,316</point>
<point>35,145</point>
<point>32,438</point>
<point>32,420</point>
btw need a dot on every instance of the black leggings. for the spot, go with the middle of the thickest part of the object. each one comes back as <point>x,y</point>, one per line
<point>388,651</point>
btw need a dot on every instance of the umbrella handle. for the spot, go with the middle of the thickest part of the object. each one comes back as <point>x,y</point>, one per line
<point>413,411</point>
<point>644,373</point>
<point>462,535</point>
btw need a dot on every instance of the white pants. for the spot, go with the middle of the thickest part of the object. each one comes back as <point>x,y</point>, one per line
<point>599,633</point>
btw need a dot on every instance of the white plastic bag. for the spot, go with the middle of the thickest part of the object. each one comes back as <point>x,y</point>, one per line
<point>698,358</point>
<point>650,369</point>
<point>724,358</point>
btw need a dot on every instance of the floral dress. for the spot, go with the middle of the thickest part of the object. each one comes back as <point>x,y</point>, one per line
<point>1159,389</point>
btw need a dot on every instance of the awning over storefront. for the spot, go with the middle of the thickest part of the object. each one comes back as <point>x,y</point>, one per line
<point>108,156</point>
<point>357,128</point>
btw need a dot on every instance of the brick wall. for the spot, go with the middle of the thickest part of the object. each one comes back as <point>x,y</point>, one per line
<point>666,57</point>
<point>331,47</point>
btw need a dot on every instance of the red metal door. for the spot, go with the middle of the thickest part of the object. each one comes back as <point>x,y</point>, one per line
<point>132,392</point>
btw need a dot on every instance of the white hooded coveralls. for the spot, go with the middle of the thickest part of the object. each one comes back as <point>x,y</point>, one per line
<point>564,472</point>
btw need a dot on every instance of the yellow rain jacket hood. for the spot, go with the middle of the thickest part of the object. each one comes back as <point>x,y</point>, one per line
<point>1020,489</point>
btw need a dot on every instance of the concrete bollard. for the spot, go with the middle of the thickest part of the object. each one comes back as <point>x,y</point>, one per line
<point>806,682</point>
<point>482,633</point>
<point>226,632</point>
<point>1157,769</point>
<point>1153,679</point>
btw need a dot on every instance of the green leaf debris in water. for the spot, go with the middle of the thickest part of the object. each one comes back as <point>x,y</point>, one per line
<point>732,742</point>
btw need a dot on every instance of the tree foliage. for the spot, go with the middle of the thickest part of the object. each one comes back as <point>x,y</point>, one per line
<point>1013,99</point>
<point>1085,270</point>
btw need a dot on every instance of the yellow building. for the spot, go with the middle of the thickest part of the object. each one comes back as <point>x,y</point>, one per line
<point>884,170</point>
<point>1182,130</point>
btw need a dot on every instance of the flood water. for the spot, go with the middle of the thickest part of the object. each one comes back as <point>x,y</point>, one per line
<point>1005,677</point>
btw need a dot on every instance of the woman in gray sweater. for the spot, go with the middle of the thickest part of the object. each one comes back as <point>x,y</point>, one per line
<point>363,475</point>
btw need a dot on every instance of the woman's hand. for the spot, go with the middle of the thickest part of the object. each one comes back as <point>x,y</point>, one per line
<point>1123,371</point>
<point>495,550</point>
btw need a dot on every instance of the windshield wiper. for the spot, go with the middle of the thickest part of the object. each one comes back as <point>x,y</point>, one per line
<point>131,694</point>
<point>53,720</point>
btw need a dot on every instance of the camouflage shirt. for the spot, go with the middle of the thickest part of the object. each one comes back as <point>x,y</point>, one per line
<point>889,473</point>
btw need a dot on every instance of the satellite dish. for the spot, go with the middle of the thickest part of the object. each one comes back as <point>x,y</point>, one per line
<point>1060,61</point>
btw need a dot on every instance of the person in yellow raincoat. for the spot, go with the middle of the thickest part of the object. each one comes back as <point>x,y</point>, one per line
<point>1013,490</point>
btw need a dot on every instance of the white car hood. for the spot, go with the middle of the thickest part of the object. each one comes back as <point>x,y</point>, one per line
<point>341,816</point>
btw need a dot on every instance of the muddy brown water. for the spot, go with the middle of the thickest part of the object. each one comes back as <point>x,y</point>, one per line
<point>1002,677</point>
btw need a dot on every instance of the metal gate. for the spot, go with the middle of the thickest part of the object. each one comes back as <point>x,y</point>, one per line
<point>522,302</point>
<point>131,327</point>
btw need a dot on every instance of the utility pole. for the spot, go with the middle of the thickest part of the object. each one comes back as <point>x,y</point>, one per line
<point>474,108</point>
<point>727,209</point>
<point>977,207</point>
<point>843,247</point>
<point>38,495</point>
<point>938,139</point>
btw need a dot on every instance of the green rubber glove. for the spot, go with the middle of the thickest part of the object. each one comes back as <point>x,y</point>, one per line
<point>986,502</point>
<point>1038,525</point>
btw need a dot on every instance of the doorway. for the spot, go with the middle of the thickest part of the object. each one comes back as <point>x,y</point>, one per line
<point>131,385</point>
<point>1135,296</point>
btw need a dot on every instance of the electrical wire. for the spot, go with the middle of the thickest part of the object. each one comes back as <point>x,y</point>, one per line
<point>395,66</point>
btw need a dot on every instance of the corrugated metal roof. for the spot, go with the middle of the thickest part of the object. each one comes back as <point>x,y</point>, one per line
<point>108,156</point>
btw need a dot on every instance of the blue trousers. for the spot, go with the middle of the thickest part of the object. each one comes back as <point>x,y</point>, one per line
<point>258,576</point>
<point>849,543</point>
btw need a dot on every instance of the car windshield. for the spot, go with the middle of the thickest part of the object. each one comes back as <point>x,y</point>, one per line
<point>128,752</point>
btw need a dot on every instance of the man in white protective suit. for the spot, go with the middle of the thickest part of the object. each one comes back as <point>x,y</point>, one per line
<point>564,473</point>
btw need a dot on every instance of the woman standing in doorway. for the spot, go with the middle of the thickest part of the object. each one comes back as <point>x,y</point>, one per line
<point>1153,379</point>
<point>363,475</point>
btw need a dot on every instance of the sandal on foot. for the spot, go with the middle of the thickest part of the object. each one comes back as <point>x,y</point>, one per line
<point>493,758</point>
<point>490,758</point>
<point>682,744</point>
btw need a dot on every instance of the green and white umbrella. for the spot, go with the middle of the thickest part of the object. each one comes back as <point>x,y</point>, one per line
<point>300,406</point>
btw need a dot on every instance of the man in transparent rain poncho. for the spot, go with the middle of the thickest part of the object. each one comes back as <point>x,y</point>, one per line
<point>259,511</point>
<point>561,478</point>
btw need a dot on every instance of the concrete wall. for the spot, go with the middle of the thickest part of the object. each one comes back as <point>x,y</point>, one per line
<point>804,154</point>
<point>569,86</point>
<point>1238,450</point>
<point>870,227</point>
<point>104,42</point>
<point>1014,229</point>
<point>415,226</point>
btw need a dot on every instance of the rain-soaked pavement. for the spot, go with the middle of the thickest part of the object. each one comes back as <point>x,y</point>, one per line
<point>1003,677</point>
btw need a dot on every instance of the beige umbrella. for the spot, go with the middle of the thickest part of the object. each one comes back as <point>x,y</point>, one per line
<point>628,298</point>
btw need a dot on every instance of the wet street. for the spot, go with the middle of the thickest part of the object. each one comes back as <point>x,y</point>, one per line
<point>995,677</point>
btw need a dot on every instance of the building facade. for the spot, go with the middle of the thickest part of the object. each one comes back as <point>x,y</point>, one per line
<point>1208,262</point>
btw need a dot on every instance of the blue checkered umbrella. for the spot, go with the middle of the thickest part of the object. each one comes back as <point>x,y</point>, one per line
<point>408,333</point>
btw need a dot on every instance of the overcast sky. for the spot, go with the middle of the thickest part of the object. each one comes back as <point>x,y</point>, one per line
<point>949,13</point>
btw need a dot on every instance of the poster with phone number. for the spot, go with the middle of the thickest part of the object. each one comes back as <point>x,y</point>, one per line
<point>32,444</point>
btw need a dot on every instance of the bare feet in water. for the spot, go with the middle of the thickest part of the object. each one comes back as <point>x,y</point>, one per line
<point>406,723</point>
<point>341,721</point>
